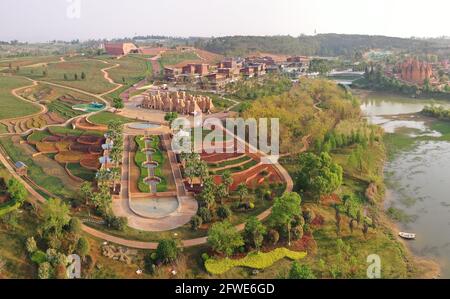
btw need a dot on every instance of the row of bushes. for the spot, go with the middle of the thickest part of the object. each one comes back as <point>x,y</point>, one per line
<point>255,260</point>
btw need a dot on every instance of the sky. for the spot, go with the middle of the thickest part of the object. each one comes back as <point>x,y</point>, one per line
<point>45,20</point>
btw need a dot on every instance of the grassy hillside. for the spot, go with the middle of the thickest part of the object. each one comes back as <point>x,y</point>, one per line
<point>10,105</point>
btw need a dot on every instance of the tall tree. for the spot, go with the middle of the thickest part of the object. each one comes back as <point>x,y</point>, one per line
<point>254,232</point>
<point>55,215</point>
<point>318,174</point>
<point>224,238</point>
<point>227,180</point>
<point>285,208</point>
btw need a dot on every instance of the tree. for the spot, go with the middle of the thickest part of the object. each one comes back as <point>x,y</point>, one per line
<point>224,238</point>
<point>223,212</point>
<point>102,200</point>
<point>86,191</point>
<point>318,174</point>
<point>285,208</point>
<point>196,222</point>
<point>118,103</point>
<point>75,77</point>
<point>227,180</point>
<point>55,215</point>
<point>65,77</point>
<point>300,272</point>
<point>83,247</point>
<point>254,232</point>
<point>75,226</point>
<point>83,76</point>
<point>242,191</point>
<point>205,214</point>
<point>273,236</point>
<point>221,193</point>
<point>17,190</point>
<point>170,117</point>
<point>167,251</point>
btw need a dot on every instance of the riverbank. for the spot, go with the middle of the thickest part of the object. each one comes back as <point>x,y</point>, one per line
<point>415,187</point>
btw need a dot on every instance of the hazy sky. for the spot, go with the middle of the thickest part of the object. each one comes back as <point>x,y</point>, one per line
<point>43,20</point>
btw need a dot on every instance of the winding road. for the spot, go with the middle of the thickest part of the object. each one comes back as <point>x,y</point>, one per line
<point>38,198</point>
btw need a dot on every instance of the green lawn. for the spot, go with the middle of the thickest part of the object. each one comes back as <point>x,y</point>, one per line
<point>103,118</point>
<point>94,81</point>
<point>10,105</point>
<point>172,58</point>
<point>133,68</point>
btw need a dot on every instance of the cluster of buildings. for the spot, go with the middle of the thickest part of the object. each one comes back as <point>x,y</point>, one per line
<point>215,77</point>
<point>177,102</point>
<point>415,71</point>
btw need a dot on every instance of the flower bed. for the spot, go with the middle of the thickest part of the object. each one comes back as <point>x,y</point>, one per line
<point>69,157</point>
<point>255,260</point>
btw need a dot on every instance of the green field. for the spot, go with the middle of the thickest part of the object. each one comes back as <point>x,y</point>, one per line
<point>94,81</point>
<point>103,118</point>
<point>133,68</point>
<point>172,58</point>
<point>26,61</point>
<point>10,105</point>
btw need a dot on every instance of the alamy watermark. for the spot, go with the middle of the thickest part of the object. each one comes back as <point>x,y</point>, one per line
<point>374,268</point>
<point>233,135</point>
<point>74,267</point>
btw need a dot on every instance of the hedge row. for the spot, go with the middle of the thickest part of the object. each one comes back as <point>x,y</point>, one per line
<point>255,260</point>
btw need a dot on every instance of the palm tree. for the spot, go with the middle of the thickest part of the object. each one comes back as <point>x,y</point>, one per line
<point>115,176</point>
<point>242,191</point>
<point>203,171</point>
<point>227,180</point>
<point>221,192</point>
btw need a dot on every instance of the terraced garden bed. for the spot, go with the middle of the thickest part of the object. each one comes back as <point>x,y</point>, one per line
<point>243,167</point>
<point>81,172</point>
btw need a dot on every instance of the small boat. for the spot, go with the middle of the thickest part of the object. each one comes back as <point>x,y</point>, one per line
<point>407,236</point>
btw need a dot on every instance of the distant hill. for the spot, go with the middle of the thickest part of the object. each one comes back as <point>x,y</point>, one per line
<point>322,44</point>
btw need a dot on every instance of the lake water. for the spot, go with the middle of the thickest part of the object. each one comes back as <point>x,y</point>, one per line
<point>418,179</point>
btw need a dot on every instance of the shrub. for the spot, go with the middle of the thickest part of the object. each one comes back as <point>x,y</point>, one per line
<point>273,237</point>
<point>196,222</point>
<point>31,245</point>
<point>39,257</point>
<point>300,272</point>
<point>308,215</point>
<point>167,251</point>
<point>83,247</point>
<point>255,260</point>
<point>251,206</point>
<point>205,214</point>
<point>75,226</point>
<point>205,257</point>
<point>223,212</point>
<point>117,223</point>
<point>45,271</point>
<point>297,233</point>
<point>149,264</point>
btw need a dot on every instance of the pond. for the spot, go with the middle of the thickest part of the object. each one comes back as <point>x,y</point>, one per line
<point>91,107</point>
<point>143,126</point>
